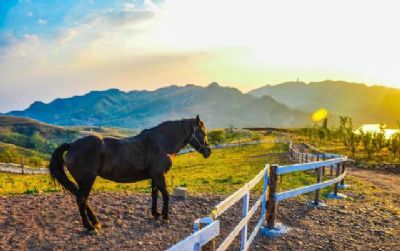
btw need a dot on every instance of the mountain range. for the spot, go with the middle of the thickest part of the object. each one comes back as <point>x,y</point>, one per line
<point>218,106</point>
<point>365,104</point>
<point>284,105</point>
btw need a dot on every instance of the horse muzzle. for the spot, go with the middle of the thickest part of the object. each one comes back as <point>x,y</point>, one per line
<point>206,152</point>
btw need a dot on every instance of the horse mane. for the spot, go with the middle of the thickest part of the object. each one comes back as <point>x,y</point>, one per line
<point>163,124</point>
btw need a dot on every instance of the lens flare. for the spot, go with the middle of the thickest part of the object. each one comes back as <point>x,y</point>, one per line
<point>319,115</point>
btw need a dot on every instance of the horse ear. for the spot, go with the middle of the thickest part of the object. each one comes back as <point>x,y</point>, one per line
<point>197,120</point>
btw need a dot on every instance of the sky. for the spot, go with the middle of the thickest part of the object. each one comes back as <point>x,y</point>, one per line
<point>54,48</point>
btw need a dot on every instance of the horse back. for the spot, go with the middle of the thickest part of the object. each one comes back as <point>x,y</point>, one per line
<point>84,157</point>
<point>124,160</point>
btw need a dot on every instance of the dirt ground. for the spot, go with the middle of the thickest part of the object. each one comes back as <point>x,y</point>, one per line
<point>367,220</point>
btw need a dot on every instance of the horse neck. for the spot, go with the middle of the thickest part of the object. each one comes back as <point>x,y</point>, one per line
<point>174,137</point>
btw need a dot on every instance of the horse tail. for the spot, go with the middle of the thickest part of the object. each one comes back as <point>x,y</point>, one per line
<point>57,171</point>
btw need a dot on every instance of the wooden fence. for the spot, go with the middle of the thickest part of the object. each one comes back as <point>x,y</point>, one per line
<point>207,229</point>
<point>21,169</point>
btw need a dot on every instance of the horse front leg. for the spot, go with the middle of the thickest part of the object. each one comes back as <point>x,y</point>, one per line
<point>161,184</point>
<point>165,196</point>
<point>154,197</point>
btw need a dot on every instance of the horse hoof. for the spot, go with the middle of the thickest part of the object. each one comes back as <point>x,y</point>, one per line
<point>165,221</point>
<point>155,223</point>
<point>92,232</point>
<point>98,226</point>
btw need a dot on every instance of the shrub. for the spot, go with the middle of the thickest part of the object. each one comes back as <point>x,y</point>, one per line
<point>216,137</point>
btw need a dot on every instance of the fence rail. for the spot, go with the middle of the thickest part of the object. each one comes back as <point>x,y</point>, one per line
<point>21,169</point>
<point>307,189</point>
<point>267,201</point>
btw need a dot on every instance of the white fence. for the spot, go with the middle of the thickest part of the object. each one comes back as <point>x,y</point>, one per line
<point>207,235</point>
<point>21,169</point>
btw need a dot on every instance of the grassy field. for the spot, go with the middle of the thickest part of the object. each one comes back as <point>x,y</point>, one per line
<point>224,172</point>
<point>383,156</point>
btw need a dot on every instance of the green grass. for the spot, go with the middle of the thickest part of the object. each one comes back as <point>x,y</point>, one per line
<point>223,173</point>
<point>14,154</point>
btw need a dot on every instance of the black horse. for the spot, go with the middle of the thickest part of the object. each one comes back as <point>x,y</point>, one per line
<point>145,156</point>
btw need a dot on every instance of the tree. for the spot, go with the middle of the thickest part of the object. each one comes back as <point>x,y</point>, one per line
<point>353,140</point>
<point>346,126</point>
<point>394,144</point>
<point>325,123</point>
<point>366,139</point>
<point>216,137</point>
<point>378,141</point>
<point>321,134</point>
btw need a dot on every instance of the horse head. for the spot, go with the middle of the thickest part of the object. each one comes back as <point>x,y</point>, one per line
<point>198,140</point>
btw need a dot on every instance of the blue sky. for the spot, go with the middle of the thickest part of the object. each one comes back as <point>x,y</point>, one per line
<point>47,18</point>
<point>51,49</point>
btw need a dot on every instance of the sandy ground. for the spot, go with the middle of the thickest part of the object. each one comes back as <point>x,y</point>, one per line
<point>52,222</point>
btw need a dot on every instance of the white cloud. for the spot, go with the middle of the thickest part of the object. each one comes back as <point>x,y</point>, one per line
<point>30,14</point>
<point>129,7</point>
<point>42,21</point>
<point>150,5</point>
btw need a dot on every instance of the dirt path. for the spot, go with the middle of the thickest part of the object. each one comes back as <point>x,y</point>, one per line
<point>385,181</point>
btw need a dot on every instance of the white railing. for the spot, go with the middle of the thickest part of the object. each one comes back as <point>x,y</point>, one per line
<point>242,193</point>
<point>270,176</point>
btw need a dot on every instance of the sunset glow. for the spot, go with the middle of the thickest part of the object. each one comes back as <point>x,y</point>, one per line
<point>70,48</point>
<point>376,128</point>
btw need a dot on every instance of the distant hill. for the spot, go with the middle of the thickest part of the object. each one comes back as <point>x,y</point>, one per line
<point>218,106</point>
<point>33,141</point>
<point>28,127</point>
<point>31,134</point>
<point>365,104</point>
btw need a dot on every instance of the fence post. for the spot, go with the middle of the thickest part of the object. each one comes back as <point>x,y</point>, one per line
<point>273,178</point>
<point>335,189</point>
<point>342,184</point>
<point>264,192</point>
<point>317,192</point>
<point>273,228</point>
<point>196,227</point>
<point>22,165</point>
<point>199,224</point>
<point>244,214</point>
<point>331,173</point>
<point>335,194</point>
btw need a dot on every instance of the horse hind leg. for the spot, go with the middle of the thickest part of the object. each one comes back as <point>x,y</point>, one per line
<point>92,217</point>
<point>81,199</point>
